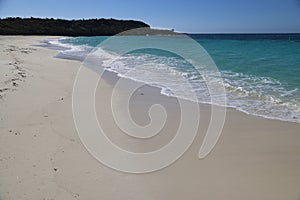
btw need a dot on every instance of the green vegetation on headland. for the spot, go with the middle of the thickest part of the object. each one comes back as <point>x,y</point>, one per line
<point>61,27</point>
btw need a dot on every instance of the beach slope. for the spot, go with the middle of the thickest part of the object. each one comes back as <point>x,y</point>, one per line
<point>42,157</point>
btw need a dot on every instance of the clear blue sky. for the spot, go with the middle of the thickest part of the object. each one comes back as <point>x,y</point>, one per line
<point>197,16</point>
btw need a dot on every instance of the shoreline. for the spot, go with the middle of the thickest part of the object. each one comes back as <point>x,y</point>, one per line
<point>43,157</point>
<point>235,107</point>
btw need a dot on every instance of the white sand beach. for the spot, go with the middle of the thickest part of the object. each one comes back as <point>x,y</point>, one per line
<point>42,157</point>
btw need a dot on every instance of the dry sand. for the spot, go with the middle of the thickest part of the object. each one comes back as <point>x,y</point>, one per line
<point>42,157</point>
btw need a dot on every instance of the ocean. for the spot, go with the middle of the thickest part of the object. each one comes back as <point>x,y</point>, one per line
<point>260,72</point>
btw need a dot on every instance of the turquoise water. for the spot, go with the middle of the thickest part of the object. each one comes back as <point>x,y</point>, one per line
<point>261,73</point>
